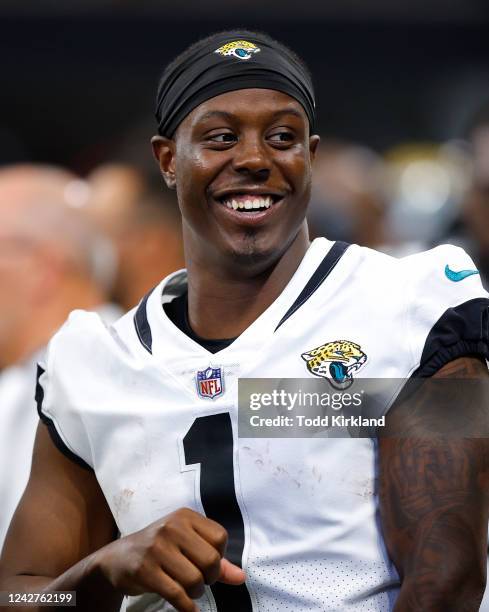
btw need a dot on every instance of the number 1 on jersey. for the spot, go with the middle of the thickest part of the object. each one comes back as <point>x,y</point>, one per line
<point>209,442</point>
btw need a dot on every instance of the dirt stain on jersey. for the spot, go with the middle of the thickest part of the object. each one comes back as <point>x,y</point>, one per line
<point>122,502</point>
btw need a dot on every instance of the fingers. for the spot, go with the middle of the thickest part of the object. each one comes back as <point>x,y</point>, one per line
<point>197,538</point>
<point>174,557</point>
<point>212,532</point>
<point>185,573</point>
<point>231,574</point>
<point>188,551</point>
<point>206,547</point>
<point>158,582</point>
<point>203,555</point>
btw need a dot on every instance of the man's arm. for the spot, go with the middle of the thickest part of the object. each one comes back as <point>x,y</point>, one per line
<point>62,519</point>
<point>434,501</point>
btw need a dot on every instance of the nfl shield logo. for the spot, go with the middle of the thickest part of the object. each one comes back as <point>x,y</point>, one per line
<point>210,382</point>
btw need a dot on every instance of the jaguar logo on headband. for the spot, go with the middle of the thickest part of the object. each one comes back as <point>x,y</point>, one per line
<point>241,49</point>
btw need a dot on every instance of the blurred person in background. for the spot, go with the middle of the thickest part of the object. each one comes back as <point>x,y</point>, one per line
<point>348,201</point>
<point>51,262</point>
<point>400,204</point>
<point>475,214</point>
<point>425,183</point>
<point>142,219</point>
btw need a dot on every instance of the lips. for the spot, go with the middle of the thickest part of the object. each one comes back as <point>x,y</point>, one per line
<point>247,209</point>
<point>248,202</point>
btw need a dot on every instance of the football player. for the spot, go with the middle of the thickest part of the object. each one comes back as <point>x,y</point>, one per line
<point>145,413</point>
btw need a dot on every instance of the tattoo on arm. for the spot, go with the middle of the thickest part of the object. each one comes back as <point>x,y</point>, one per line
<point>465,367</point>
<point>434,504</point>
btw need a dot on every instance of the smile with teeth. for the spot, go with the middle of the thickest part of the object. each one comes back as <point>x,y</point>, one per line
<point>249,202</point>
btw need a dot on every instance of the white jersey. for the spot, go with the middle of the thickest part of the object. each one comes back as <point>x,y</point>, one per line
<point>127,402</point>
<point>17,432</point>
<point>19,421</point>
<point>484,607</point>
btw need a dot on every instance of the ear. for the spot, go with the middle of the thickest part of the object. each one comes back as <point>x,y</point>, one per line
<point>164,153</point>
<point>313,145</point>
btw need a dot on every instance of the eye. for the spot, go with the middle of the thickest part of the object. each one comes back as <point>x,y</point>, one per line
<point>222,137</point>
<point>281,137</point>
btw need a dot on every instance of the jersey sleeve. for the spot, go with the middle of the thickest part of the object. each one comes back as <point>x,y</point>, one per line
<point>57,380</point>
<point>448,309</point>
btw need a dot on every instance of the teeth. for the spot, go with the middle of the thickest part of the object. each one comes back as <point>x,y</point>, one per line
<point>249,204</point>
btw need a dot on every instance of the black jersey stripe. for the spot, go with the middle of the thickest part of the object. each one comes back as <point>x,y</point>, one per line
<point>53,432</point>
<point>333,256</point>
<point>461,331</point>
<point>142,326</point>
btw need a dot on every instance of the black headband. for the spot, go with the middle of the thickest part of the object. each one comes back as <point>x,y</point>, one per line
<point>229,64</point>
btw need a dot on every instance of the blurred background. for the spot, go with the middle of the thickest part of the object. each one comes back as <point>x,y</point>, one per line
<point>399,87</point>
<point>78,76</point>
<point>402,92</point>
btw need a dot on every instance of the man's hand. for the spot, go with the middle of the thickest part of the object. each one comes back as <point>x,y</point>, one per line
<point>174,557</point>
<point>76,549</point>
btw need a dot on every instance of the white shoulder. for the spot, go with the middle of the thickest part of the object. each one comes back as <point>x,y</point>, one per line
<point>445,275</point>
<point>80,320</point>
<point>87,335</point>
<point>442,255</point>
<point>372,257</point>
<point>79,337</point>
<point>70,369</point>
<point>447,307</point>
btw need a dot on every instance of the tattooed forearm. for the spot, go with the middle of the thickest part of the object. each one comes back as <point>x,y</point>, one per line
<point>434,509</point>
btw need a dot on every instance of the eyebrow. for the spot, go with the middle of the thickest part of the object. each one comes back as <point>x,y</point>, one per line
<point>287,111</point>
<point>217,114</point>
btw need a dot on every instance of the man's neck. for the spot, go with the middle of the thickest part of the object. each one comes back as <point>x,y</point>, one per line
<point>221,305</point>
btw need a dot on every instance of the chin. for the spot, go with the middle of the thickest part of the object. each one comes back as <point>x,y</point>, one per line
<point>255,254</point>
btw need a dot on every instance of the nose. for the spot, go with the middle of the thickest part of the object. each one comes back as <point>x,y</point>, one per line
<point>252,158</point>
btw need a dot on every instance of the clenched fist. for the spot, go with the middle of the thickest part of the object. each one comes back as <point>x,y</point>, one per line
<point>174,557</point>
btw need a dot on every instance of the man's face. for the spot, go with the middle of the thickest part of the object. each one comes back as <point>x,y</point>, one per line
<point>242,167</point>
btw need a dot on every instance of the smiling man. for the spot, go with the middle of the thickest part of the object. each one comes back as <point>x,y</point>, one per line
<point>145,413</point>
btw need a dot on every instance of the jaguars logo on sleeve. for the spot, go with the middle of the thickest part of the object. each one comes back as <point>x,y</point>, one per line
<point>336,361</point>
